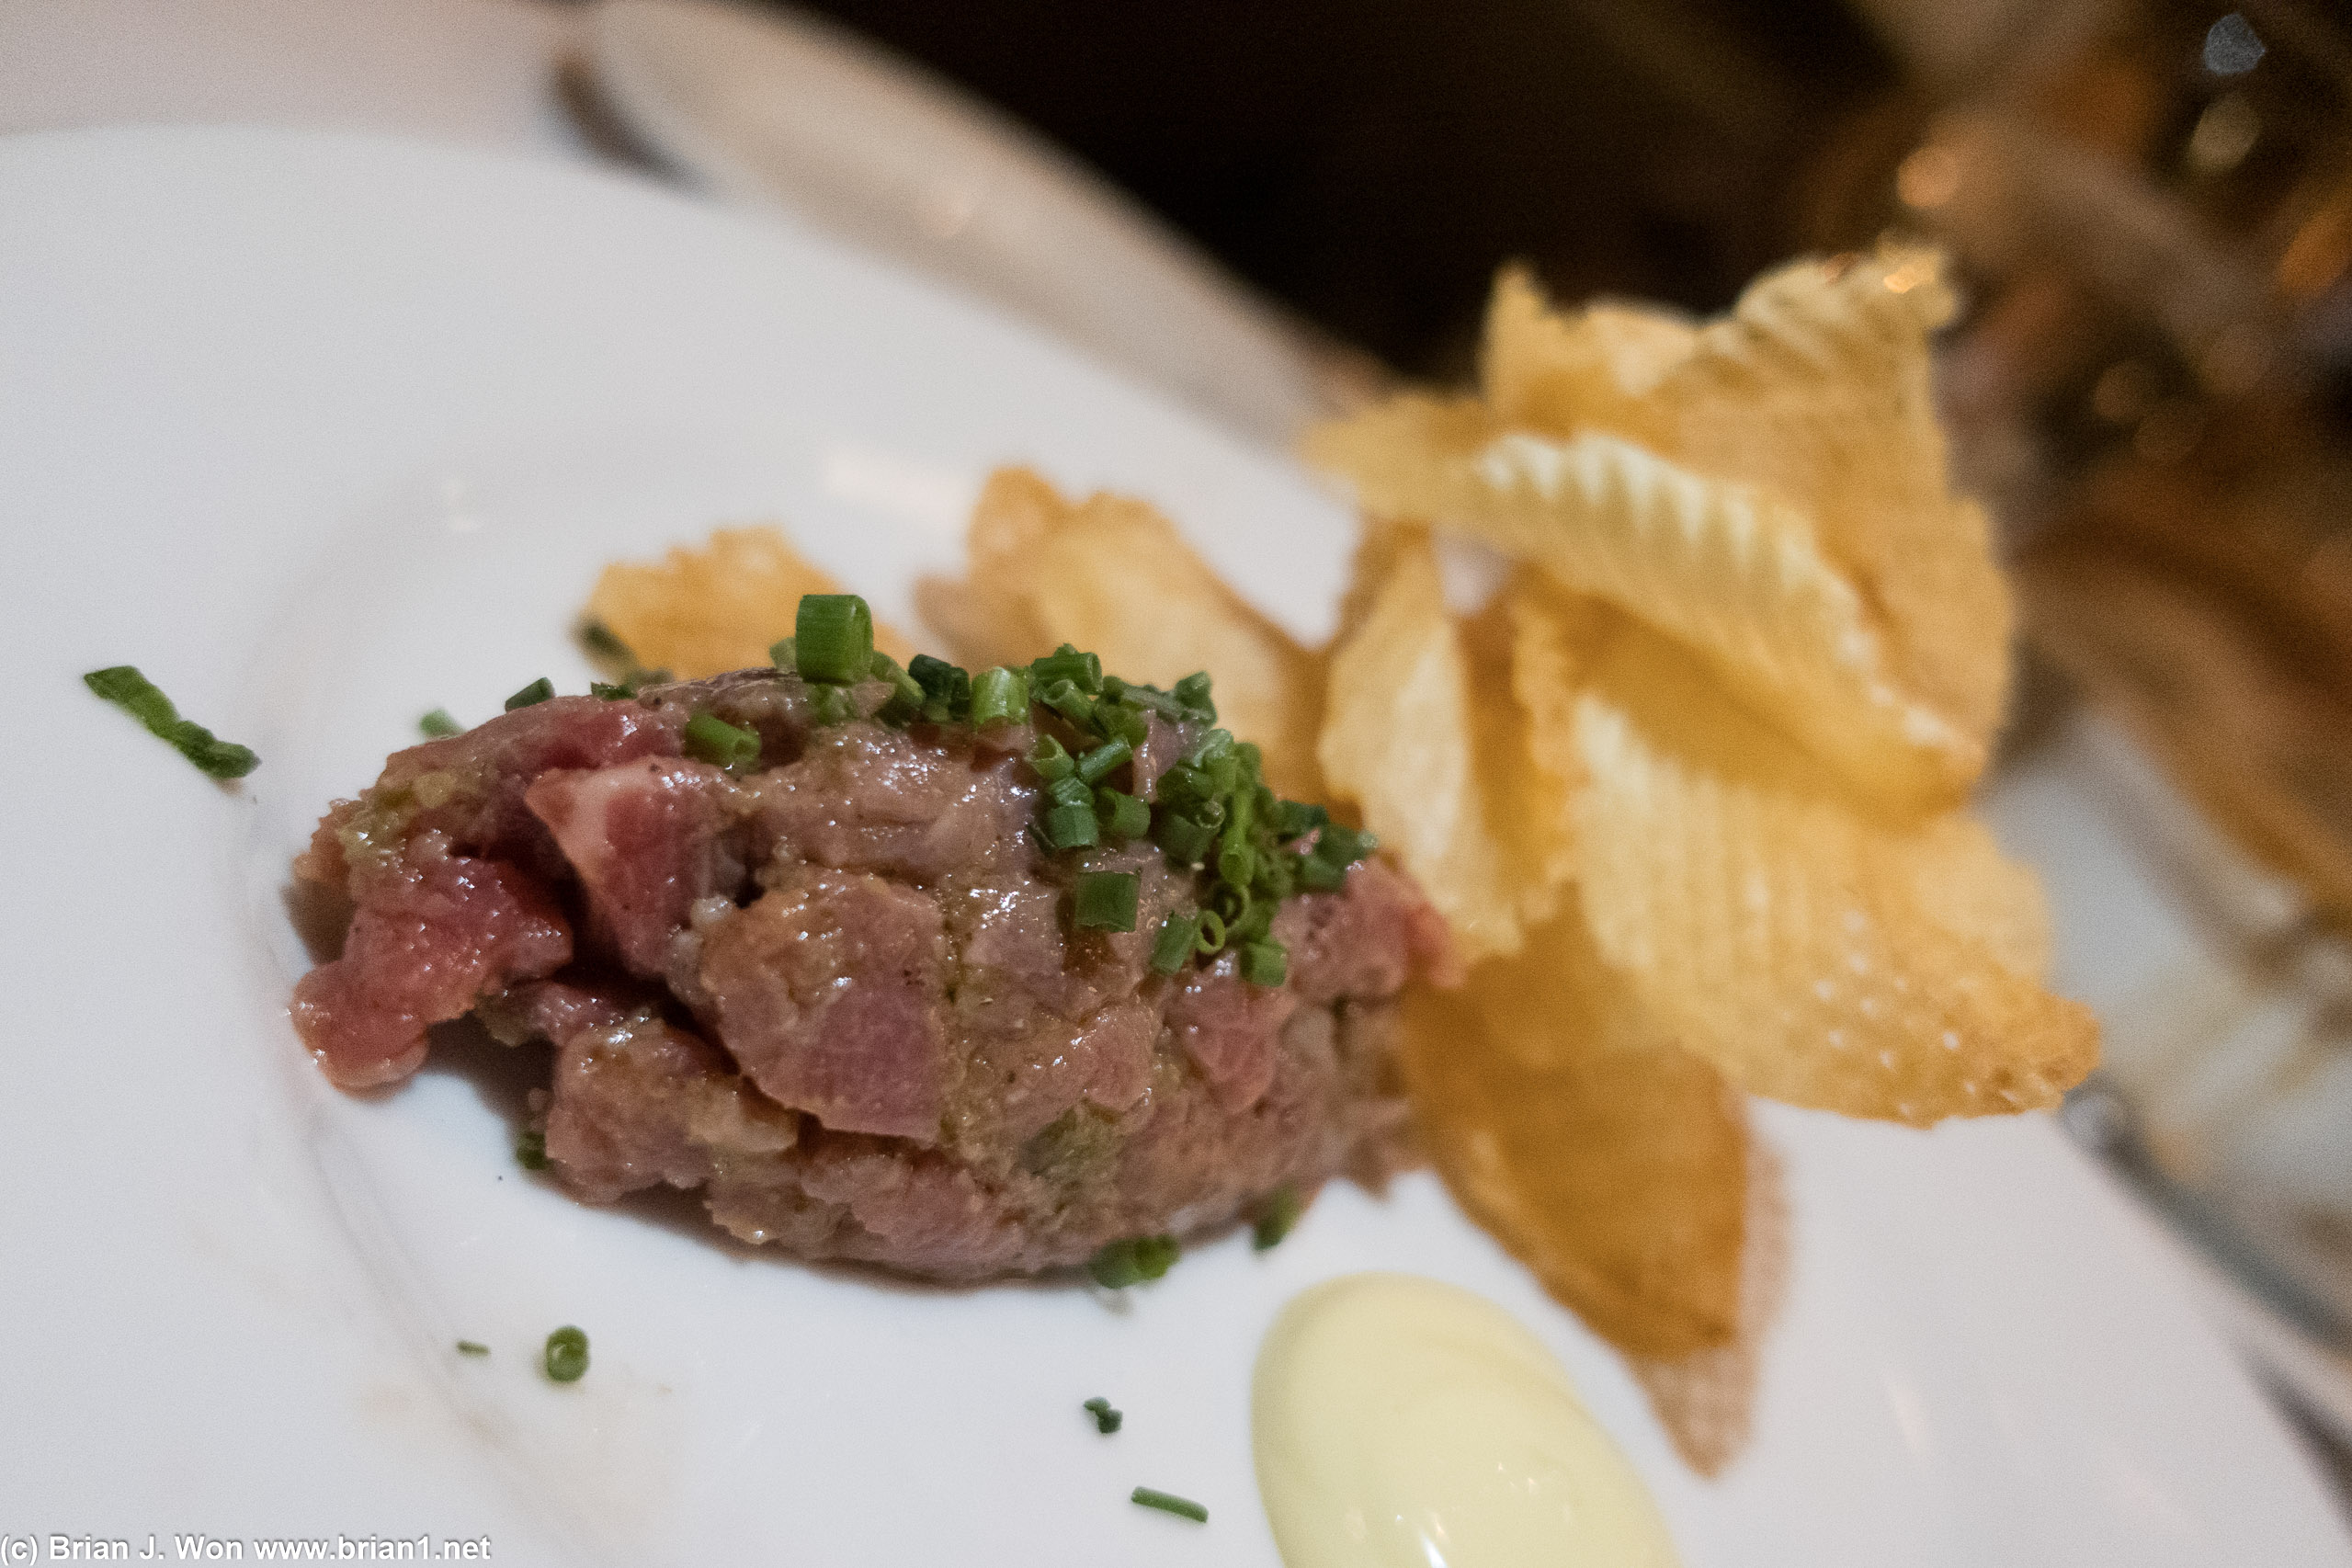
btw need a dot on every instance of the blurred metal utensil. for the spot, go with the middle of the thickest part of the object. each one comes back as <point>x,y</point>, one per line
<point>776,108</point>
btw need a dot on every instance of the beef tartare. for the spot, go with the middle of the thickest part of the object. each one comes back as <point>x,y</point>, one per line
<point>961,974</point>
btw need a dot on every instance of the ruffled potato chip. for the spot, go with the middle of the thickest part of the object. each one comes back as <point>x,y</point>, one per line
<point>1546,370</point>
<point>1607,1158</point>
<point>1422,731</point>
<point>1872,968</point>
<point>1113,576</point>
<point>704,612</point>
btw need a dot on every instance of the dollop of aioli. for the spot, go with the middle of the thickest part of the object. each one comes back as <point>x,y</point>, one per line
<point>1400,1423</point>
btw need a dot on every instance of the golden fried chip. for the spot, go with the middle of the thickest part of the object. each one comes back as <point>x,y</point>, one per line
<point>1113,576</point>
<point>1607,1158</point>
<point>1422,733</point>
<point>704,612</point>
<point>1812,955</point>
<point>1544,370</point>
<point>1733,572</point>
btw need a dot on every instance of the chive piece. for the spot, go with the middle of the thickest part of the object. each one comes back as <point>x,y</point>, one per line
<point>833,638</point>
<point>437,725</point>
<point>1070,827</point>
<point>1070,790</point>
<point>1169,1503</point>
<point>1064,697</point>
<point>1184,839</point>
<point>1209,930</point>
<point>1277,1212</point>
<point>567,1355</point>
<point>1106,900</point>
<point>830,704</point>
<point>472,1348</point>
<point>123,686</point>
<point>1318,875</point>
<point>785,654</point>
<point>947,690</point>
<point>1132,1261</point>
<point>1122,815</point>
<point>1106,1420</point>
<point>1052,759</point>
<point>905,702</point>
<point>1193,692</point>
<point>611,691</point>
<point>1344,845</point>
<point>1098,764</point>
<point>1266,963</point>
<point>711,739</point>
<point>532,695</point>
<point>531,1149</point>
<point>1084,671</point>
<point>1000,696</point>
<point>1296,819</point>
<point>1145,696</point>
<point>599,639</point>
<point>1173,946</point>
<point>1119,721</point>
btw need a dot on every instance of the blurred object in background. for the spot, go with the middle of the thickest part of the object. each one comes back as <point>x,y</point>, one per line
<point>2152,207</point>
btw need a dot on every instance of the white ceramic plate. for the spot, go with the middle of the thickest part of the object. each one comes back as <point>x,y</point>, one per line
<point>325,433</point>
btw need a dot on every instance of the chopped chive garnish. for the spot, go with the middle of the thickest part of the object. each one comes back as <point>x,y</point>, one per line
<point>532,695</point>
<point>1277,1212</point>
<point>1000,696</point>
<point>1084,671</point>
<point>437,725</point>
<point>905,703</point>
<point>567,1355</point>
<point>1296,819</point>
<point>531,1149</point>
<point>1266,963</point>
<point>1173,946</point>
<point>1070,790</point>
<point>831,704</point>
<point>599,639</point>
<point>1069,827</point>
<point>1210,930</point>
<point>1132,1261</point>
<point>1169,1503</point>
<point>947,690</point>
<point>1184,840</point>
<point>833,638</point>
<point>785,654</point>
<point>711,739</point>
<point>1318,875</point>
<point>1052,759</point>
<point>1106,900</point>
<point>123,686</point>
<point>1193,692</point>
<point>1106,1420</point>
<point>1121,722</point>
<point>1122,815</point>
<point>1100,762</point>
<point>1064,697</point>
<point>472,1348</point>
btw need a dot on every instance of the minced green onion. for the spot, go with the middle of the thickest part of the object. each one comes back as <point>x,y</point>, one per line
<point>1083,670</point>
<point>1106,1419</point>
<point>1000,696</point>
<point>1066,699</point>
<point>437,725</point>
<point>1122,815</point>
<point>1100,762</point>
<point>472,1348</point>
<point>567,1355</point>
<point>1184,840</point>
<point>833,638</point>
<point>1132,1261</point>
<point>1193,692</point>
<point>947,690</point>
<point>1169,1503</point>
<point>1277,1212</point>
<point>785,654</point>
<point>1106,900</point>
<point>123,686</point>
<point>1266,963</point>
<point>1320,876</point>
<point>904,704</point>
<point>531,1149</point>
<point>532,695</point>
<point>1296,819</point>
<point>831,704</point>
<point>1070,790</point>
<point>711,739</point>
<point>1070,827</point>
<point>1210,928</point>
<point>1173,946</point>
<point>599,640</point>
<point>1052,759</point>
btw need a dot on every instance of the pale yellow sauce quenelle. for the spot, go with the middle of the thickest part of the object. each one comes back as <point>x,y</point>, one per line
<point>1400,1423</point>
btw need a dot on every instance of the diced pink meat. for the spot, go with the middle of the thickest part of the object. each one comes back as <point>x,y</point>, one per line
<point>421,949</point>
<point>643,838</point>
<point>1229,1029</point>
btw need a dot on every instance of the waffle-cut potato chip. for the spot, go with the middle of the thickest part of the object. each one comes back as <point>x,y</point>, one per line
<point>1113,576</point>
<point>1422,733</point>
<point>1814,956</point>
<point>1610,1160</point>
<point>1730,570</point>
<point>704,612</point>
<point>1545,370</point>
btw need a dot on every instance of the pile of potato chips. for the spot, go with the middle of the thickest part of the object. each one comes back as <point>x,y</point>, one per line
<point>1688,787</point>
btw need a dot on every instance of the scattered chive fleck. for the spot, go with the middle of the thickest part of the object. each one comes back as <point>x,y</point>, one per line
<point>472,1348</point>
<point>567,1355</point>
<point>1266,963</point>
<point>1069,827</point>
<point>711,739</point>
<point>1100,762</point>
<point>784,654</point>
<point>1106,900</point>
<point>1122,815</point>
<point>1106,1420</point>
<point>1000,696</point>
<point>531,1149</point>
<point>532,695</point>
<point>833,638</point>
<point>1169,1503</point>
<point>830,705</point>
<point>599,639</point>
<point>1277,1212</point>
<point>1052,759</point>
<point>1132,1261</point>
<point>123,686</point>
<point>1172,949</point>
<point>437,725</point>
